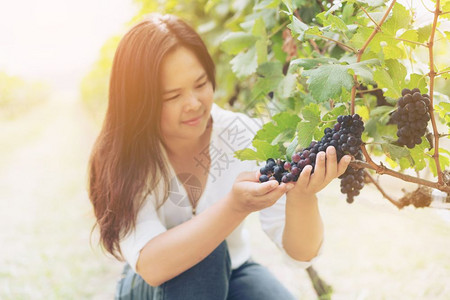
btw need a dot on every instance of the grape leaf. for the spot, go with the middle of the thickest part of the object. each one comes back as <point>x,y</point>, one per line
<point>373,3</point>
<point>393,79</point>
<point>395,152</point>
<point>311,113</point>
<point>261,50</point>
<point>264,151</point>
<point>334,113</point>
<point>298,27</point>
<point>245,63</point>
<point>400,18</point>
<point>444,160</point>
<point>284,122</point>
<point>310,63</point>
<point>423,33</point>
<point>418,81</point>
<point>418,154</point>
<point>305,132</point>
<point>333,77</point>
<point>290,150</point>
<point>235,42</point>
<point>287,86</point>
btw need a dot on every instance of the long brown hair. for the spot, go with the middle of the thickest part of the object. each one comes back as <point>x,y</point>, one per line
<point>127,162</point>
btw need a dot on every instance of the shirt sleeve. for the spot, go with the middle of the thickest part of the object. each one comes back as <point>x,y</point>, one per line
<point>148,225</point>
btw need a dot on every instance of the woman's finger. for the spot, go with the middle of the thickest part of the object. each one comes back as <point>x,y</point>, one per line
<point>260,189</point>
<point>331,163</point>
<point>343,164</point>
<point>304,178</point>
<point>319,170</point>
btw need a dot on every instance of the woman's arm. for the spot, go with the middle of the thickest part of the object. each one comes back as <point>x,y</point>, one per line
<point>178,249</point>
<point>303,231</point>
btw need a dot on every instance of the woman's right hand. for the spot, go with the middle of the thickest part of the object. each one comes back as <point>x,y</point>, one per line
<point>248,194</point>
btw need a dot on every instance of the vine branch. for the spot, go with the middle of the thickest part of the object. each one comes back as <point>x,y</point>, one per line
<point>412,42</point>
<point>364,47</point>
<point>440,73</point>
<point>385,195</point>
<point>383,170</point>
<point>432,75</point>
<point>370,17</point>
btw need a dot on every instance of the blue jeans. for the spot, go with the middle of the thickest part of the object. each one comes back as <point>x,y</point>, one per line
<point>210,279</point>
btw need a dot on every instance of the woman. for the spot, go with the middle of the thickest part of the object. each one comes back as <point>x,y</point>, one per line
<point>159,198</point>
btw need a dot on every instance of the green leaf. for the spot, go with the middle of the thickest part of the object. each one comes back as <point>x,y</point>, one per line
<point>298,27</point>
<point>395,152</point>
<point>334,113</point>
<point>373,3</point>
<point>309,63</point>
<point>290,150</point>
<point>264,151</point>
<point>289,6</point>
<point>235,42</point>
<point>259,28</point>
<point>393,79</point>
<point>423,33</point>
<point>444,160</point>
<point>410,35</point>
<point>418,154</point>
<point>363,70</point>
<point>287,86</point>
<point>305,131</point>
<point>284,122</point>
<point>326,81</point>
<point>311,113</point>
<point>391,51</point>
<point>261,51</point>
<point>245,63</point>
<point>400,18</point>
<point>418,81</point>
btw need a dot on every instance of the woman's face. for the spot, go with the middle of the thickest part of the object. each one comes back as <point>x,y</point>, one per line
<point>187,96</point>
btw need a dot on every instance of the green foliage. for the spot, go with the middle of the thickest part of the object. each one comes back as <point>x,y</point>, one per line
<point>300,58</point>
<point>17,96</point>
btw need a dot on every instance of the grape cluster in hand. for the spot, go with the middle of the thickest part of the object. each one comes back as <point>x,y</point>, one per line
<point>345,137</point>
<point>352,181</point>
<point>411,117</point>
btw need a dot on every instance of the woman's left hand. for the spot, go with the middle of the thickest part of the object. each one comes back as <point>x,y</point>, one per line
<point>326,169</point>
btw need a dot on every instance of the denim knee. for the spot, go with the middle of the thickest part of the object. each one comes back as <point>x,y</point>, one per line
<point>209,279</point>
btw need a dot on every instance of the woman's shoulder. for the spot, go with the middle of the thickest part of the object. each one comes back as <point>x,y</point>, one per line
<point>231,120</point>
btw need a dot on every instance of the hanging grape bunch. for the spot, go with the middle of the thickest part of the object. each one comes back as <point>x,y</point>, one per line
<point>352,181</point>
<point>411,117</point>
<point>345,137</point>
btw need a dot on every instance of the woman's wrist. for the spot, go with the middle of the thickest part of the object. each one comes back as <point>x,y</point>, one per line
<point>302,198</point>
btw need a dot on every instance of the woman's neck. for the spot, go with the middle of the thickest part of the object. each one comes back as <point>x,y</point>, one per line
<point>185,148</point>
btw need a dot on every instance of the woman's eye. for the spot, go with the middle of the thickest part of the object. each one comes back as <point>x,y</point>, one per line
<point>171,98</point>
<point>201,85</point>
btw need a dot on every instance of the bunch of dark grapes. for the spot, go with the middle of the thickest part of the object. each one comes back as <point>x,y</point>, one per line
<point>352,181</point>
<point>345,137</point>
<point>411,117</point>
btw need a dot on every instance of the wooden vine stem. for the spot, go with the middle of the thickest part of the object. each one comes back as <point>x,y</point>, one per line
<point>432,75</point>
<point>364,47</point>
<point>384,170</point>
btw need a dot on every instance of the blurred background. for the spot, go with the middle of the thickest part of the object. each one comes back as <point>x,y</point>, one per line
<point>55,58</point>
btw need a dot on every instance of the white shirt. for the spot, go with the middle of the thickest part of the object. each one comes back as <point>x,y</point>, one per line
<point>231,131</point>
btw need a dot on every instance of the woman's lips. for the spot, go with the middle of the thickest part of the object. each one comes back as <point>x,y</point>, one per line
<point>193,122</point>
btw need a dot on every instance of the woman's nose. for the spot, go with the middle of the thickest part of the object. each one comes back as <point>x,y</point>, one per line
<point>193,102</point>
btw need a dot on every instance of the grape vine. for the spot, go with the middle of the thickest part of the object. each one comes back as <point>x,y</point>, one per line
<point>349,49</point>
